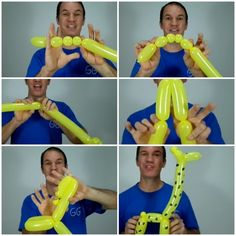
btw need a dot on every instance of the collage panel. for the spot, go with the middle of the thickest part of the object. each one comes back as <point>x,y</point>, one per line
<point>210,103</point>
<point>95,193</point>
<point>145,185</point>
<point>91,105</point>
<point>209,24</point>
<point>94,22</point>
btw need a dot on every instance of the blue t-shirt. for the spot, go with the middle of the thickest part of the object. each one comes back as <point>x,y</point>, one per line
<point>75,68</point>
<point>133,201</point>
<point>74,219</point>
<point>215,136</point>
<point>37,130</point>
<point>171,65</point>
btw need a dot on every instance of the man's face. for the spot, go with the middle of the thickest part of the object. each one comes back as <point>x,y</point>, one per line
<point>150,161</point>
<point>71,19</point>
<point>174,20</point>
<point>53,160</point>
<point>37,87</point>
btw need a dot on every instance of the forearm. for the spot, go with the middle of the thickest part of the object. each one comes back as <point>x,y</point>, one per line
<point>107,198</point>
<point>8,129</point>
<point>144,73</point>
<point>45,72</point>
<point>105,70</point>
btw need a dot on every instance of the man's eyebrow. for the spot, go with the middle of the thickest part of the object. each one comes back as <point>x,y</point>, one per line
<point>65,10</point>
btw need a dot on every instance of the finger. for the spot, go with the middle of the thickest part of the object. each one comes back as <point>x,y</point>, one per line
<point>38,195</point>
<point>44,191</point>
<point>199,39</point>
<point>97,35</point>
<point>51,32</point>
<point>59,33</point>
<point>140,127</point>
<point>206,111</point>
<point>91,31</point>
<point>130,128</point>
<point>149,126</point>
<point>35,201</point>
<point>197,131</point>
<point>153,118</point>
<point>203,137</point>
<point>73,56</point>
<point>57,175</point>
<point>193,111</point>
<point>67,171</point>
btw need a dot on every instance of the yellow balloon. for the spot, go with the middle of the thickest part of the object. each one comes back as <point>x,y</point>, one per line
<point>203,63</point>
<point>142,223</point>
<point>178,38</point>
<point>60,228</point>
<point>170,38</point>
<point>66,189</point>
<point>7,107</point>
<point>184,129</point>
<point>160,132</point>
<point>77,41</point>
<point>165,226</point>
<point>186,44</point>
<point>39,223</point>
<point>67,41</point>
<point>99,49</point>
<point>161,41</point>
<point>179,100</point>
<point>163,100</point>
<point>39,42</point>
<point>56,42</point>
<point>147,53</point>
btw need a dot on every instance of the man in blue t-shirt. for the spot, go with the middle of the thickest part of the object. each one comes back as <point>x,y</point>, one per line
<point>151,195</point>
<point>171,60</point>
<point>70,61</point>
<point>206,130</point>
<point>36,127</point>
<point>86,201</point>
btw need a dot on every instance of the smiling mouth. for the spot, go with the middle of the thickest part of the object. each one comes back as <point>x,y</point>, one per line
<point>37,86</point>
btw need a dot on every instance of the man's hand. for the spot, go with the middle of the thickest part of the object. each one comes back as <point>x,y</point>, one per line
<point>142,131</point>
<point>177,225</point>
<point>22,116</point>
<point>55,58</point>
<point>131,225</point>
<point>48,105</point>
<point>147,68</point>
<point>43,202</point>
<point>192,65</point>
<point>200,131</point>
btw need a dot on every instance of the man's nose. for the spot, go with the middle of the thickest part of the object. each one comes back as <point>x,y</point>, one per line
<point>53,166</point>
<point>174,21</point>
<point>71,17</point>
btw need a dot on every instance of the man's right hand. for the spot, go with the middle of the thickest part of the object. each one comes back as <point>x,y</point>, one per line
<point>147,68</point>
<point>131,225</point>
<point>22,116</point>
<point>55,58</point>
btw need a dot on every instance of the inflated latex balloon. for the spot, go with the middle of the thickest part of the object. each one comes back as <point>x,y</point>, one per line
<point>171,90</point>
<point>66,189</point>
<point>56,115</point>
<point>89,44</point>
<point>164,218</point>
<point>195,53</point>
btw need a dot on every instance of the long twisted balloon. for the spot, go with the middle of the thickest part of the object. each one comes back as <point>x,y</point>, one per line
<point>89,44</point>
<point>66,189</point>
<point>196,54</point>
<point>164,217</point>
<point>167,90</point>
<point>56,115</point>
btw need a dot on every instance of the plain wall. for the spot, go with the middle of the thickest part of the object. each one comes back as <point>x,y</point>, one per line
<point>23,20</point>
<point>21,174</point>
<point>140,21</point>
<point>209,184</point>
<point>94,102</point>
<point>136,94</point>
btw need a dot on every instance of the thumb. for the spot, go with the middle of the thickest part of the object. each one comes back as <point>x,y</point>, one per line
<point>72,57</point>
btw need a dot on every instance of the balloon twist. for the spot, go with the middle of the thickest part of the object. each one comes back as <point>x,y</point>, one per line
<point>164,218</point>
<point>56,115</point>
<point>174,89</point>
<point>66,189</point>
<point>89,44</point>
<point>195,53</point>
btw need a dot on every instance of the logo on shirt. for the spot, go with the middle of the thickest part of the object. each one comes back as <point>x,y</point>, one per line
<point>75,211</point>
<point>90,70</point>
<point>53,125</point>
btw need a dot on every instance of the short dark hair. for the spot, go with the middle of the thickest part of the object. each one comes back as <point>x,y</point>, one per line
<point>173,3</point>
<point>59,6</point>
<point>54,149</point>
<point>163,148</point>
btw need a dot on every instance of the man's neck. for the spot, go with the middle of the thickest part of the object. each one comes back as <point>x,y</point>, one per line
<point>150,184</point>
<point>36,99</point>
<point>51,188</point>
<point>173,47</point>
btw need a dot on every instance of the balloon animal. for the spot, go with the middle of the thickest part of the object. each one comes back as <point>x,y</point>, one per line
<point>66,189</point>
<point>164,217</point>
<point>56,115</point>
<point>196,54</point>
<point>174,89</point>
<point>87,43</point>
